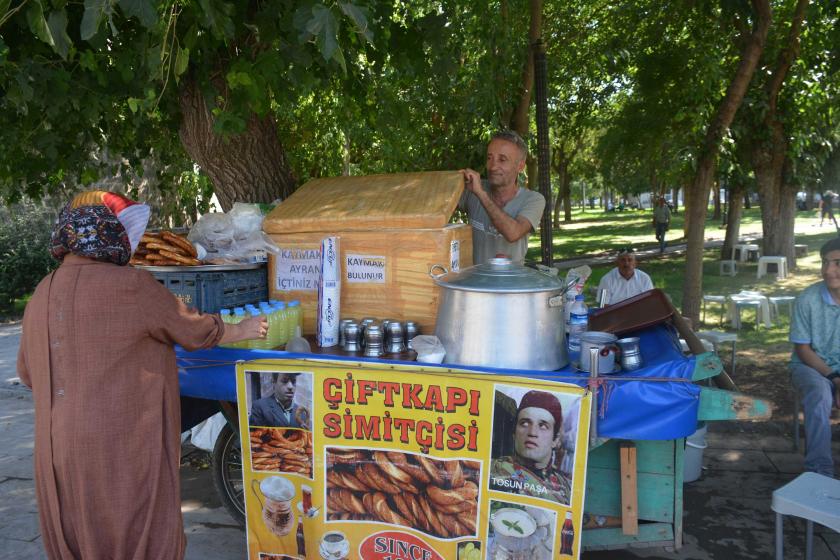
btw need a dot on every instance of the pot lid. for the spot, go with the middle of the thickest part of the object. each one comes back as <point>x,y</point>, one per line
<point>499,275</point>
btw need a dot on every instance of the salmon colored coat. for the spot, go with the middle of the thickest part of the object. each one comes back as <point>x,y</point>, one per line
<point>97,351</point>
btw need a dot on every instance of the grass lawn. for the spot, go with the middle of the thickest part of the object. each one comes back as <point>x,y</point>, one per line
<point>762,353</point>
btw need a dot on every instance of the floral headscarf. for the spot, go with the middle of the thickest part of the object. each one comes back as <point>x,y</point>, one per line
<point>100,225</point>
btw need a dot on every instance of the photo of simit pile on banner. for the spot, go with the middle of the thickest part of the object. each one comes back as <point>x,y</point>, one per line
<point>436,496</point>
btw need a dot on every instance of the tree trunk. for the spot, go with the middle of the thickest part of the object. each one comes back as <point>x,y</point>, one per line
<point>809,198</point>
<point>733,220</point>
<point>747,201</point>
<point>675,197</point>
<point>769,156</point>
<point>716,200</point>
<point>697,195</point>
<point>248,167</point>
<point>520,120</point>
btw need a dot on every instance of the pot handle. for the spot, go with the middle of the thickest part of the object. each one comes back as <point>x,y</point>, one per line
<point>436,276</point>
<point>556,301</point>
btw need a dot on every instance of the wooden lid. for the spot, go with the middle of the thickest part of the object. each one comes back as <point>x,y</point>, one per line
<point>423,200</point>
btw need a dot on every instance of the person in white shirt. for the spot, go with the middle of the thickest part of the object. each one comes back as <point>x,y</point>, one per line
<point>624,281</point>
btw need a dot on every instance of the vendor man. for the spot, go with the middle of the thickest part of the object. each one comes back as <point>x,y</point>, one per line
<point>815,362</point>
<point>502,214</point>
<point>624,281</point>
<point>533,470</point>
<point>278,409</point>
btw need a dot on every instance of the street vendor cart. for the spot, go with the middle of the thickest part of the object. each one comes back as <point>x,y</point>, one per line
<point>393,230</point>
<point>651,414</point>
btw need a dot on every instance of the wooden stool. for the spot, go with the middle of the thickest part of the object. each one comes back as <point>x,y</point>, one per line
<point>811,496</point>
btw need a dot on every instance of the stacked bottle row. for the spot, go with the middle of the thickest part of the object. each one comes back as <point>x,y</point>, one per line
<point>285,320</point>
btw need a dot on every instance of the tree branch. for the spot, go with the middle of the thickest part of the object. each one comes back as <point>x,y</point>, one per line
<point>786,57</point>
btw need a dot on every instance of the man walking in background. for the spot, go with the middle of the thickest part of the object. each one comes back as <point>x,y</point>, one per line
<point>826,208</point>
<point>661,221</point>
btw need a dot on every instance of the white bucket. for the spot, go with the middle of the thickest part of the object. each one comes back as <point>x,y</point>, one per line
<point>693,460</point>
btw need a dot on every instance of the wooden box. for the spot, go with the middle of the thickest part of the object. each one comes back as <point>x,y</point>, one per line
<point>392,229</point>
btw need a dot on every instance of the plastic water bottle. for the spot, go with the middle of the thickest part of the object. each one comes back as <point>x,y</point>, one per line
<point>280,335</point>
<point>567,306</point>
<point>226,319</point>
<point>296,320</point>
<point>578,321</point>
<point>256,343</point>
<point>271,317</point>
<point>237,317</point>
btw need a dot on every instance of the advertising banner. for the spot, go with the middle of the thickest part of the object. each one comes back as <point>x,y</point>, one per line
<point>345,460</point>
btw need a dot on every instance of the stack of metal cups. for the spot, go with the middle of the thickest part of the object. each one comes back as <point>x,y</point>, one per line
<point>351,336</point>
<point>374,340</point>
<point>341,330</point>
<point>363,324</point>
<point>394,338</point>
<point>411,330</point>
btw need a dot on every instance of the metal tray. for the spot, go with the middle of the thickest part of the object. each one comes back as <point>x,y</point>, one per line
<point>202,268</point>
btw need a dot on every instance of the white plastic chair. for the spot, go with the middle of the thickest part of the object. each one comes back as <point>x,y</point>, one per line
<point>811,496</point>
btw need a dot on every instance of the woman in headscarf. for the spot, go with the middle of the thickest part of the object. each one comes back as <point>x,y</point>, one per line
<point>97,351</point>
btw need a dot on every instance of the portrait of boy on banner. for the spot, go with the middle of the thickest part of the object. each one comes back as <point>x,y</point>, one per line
<point>534,435</point>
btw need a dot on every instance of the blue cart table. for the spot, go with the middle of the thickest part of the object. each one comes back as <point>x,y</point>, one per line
<point>644,417</point>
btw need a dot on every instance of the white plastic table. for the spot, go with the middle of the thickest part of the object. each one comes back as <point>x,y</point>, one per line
<point>811,496</point>
<point>745,250</point>
<point>780,262</point>
<point>760,301</point>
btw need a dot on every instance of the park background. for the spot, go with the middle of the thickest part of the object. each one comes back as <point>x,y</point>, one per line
<point>727,108</point>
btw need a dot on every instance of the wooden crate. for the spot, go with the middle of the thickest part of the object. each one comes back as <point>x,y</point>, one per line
<point>391,230</point>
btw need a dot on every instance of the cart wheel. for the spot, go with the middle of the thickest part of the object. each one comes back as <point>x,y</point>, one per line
<point>227,473</point>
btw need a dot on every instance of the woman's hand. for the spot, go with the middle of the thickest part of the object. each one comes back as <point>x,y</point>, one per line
<point>249,329</point>
<point>254,327</point>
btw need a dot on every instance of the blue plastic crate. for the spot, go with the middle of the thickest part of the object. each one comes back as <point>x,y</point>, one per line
<point>210,291</point>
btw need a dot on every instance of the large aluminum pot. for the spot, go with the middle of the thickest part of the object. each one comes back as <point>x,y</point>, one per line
<point>501,314</point>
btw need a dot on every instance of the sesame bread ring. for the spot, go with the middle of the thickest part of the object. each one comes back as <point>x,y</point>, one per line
<point>444,497</point>
<point>160,245</point>
<point>390,468</point>
<point>454,473</point>
<point>452,526</point>
<point>352,482</point>
<point>404,508</point>
<point>380,481</point>
<point>431,520</point>
<point>180,242</point>
<point>189,261</point>
<point>430,467</point>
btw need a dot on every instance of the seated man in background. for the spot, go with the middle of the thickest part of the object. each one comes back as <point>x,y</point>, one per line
<point>624,281</point>
<point>815,362</point>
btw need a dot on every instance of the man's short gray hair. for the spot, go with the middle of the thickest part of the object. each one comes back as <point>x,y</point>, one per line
<point>513,138</point>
